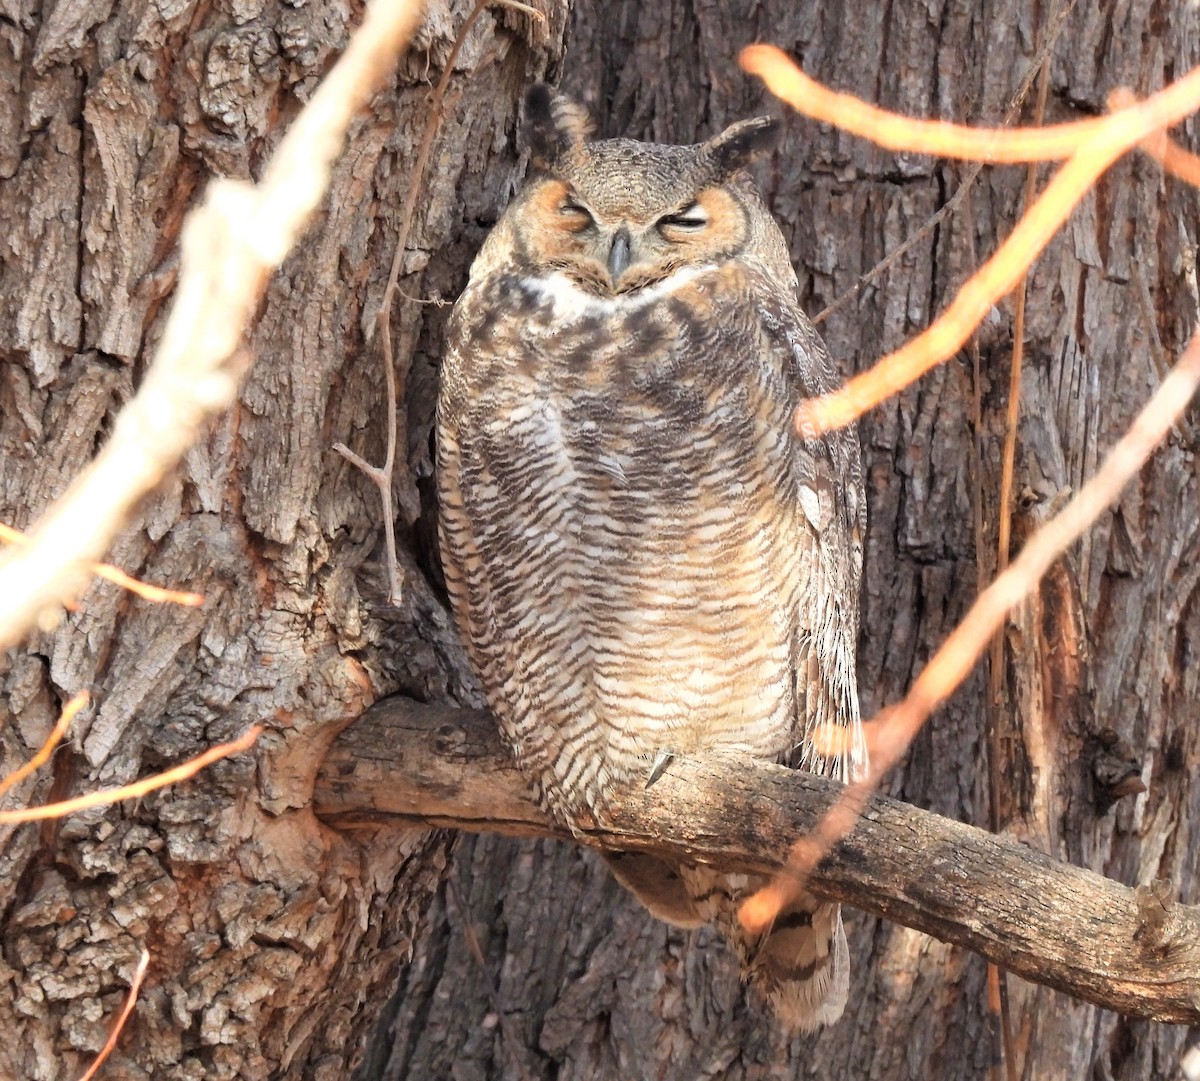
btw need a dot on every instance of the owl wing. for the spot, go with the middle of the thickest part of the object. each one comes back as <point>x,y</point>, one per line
<point>802,964</point>
<point>831,495</point>
<point>509,533</point>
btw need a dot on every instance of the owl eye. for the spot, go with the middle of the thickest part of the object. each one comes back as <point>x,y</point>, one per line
<point>691,217</point>
<point>582,215</point>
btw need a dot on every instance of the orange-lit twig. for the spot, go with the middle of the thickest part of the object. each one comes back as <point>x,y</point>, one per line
<point>137,788</point>
<point>894,729</point>
<point>1092,146</point>
<point>968,178</point>
<point>1174,159</point>
<point>955,325</point>
<point>119,577</point>
<point>948,140</point>
<point>135,986</point>
<point>1169,154</point>
<point>47,749</point>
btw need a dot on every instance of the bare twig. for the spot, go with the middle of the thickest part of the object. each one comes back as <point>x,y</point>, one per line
<point>135,987</point>
<point>895,727</point>
<point>47,749</point>
<point>1093,145</point>
<point>382,476</point>
<point>155,594</point>
<point>138,788</point>
<point>949,140</point>
<point>230,245</point>
<point>1175,159</point>
<point>965,183</point>
<point>513,1046</point>
<point>1161,147</point>
<point>997,981</point>
<point>998,276</point>
<point>473,947</point>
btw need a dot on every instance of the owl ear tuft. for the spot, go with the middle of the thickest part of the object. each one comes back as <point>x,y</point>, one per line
<point>555,126</point>
<point>741,143</point>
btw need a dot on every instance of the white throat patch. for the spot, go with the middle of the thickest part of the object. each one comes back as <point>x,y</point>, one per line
<point>572,303</point>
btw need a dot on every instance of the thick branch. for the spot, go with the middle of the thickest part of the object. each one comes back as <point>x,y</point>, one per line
<point>1134,951</point>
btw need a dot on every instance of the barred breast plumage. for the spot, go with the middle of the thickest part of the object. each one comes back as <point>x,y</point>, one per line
<point>642,556</point>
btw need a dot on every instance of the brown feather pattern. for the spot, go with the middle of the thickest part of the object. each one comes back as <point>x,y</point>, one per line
<point>642,555</point>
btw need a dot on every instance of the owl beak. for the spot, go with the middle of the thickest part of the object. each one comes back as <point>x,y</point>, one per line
<point>618,254</point>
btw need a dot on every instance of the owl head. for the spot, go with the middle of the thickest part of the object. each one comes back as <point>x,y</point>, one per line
<point>616,216</point>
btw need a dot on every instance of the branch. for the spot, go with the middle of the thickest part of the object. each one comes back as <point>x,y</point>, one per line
<point>1134,951</point>
<point>229,246</point>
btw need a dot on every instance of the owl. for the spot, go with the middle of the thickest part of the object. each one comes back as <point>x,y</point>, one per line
<point>643,557</point>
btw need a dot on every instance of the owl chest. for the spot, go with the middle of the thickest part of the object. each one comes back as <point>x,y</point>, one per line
<point>653,446</point>
<point>640,408</point>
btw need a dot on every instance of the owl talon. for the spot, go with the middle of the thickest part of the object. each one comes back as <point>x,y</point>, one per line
<point>661,761</point>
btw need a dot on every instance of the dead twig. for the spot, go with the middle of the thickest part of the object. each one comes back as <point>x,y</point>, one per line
<point>1092,146</point>
<point>383,476</point>
<point>894,729</point>
<point>230,245</point>
<point>155,594</point>
<point>138,788</point>
<point>512,1045</point>
<point>47,749</point>
<point>135,987</point>
<point>945,139</point>
<point>966,181</point>
<point>997,981</point>
<point>965,184</point>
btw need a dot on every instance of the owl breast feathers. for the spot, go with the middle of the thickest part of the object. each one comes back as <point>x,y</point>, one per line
<point>643,556</point>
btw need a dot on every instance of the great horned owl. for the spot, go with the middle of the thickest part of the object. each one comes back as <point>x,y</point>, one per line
<point>642,555</point>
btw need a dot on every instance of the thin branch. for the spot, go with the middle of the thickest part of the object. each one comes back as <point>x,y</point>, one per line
<point>154,594</point>
<point>513,1045</point>
<point>945,139</point>
<point>47,749</point>
<point>965,184</point>
<point>230,245</point>
<point>135,987</point>
<point>1174,158</point>
<point>138,788</point>
<point>431,127</point>
<point>893,730</point>
<point>997,277</point>
<point>382,476</point>
<point>1093,145</point>
<point>996,975</point>
<point>1136,951</point>
<point>1161,147</point>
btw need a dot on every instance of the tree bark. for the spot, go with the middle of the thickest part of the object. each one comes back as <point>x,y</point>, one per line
<point>1137,952</point>
<point>273,939</point>
<point>1099,684</point>
<point>276,941</point>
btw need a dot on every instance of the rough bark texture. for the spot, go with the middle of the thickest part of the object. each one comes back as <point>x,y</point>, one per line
<point>1135,951</point>
<point>277,941</point>
<point>1100,681</point>
<point>273,939</point>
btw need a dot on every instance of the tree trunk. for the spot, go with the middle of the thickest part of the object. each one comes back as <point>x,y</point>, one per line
<point>276,941</point>
<point>1100,677</point>
<point>273,939</point>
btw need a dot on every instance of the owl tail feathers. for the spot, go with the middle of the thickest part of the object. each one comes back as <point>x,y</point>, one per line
<point>802,967</point>
<point>658,885</point>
